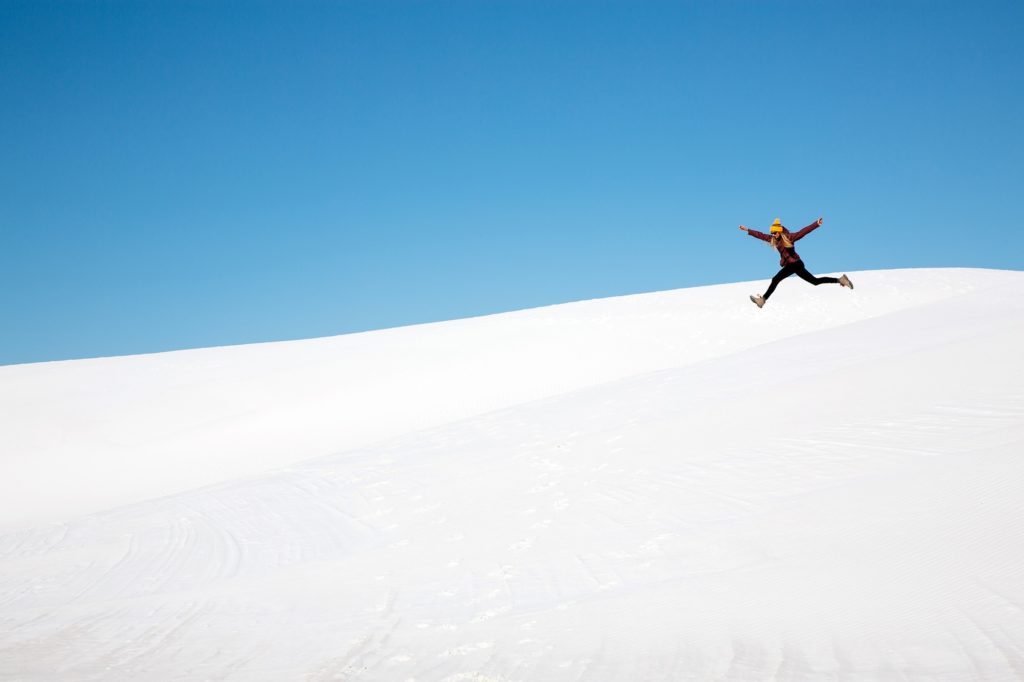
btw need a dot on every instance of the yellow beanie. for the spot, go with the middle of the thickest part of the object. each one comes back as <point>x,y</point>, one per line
<point>777,226</point>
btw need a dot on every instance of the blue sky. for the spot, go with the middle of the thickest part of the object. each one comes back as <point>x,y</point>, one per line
<point>190,174</point>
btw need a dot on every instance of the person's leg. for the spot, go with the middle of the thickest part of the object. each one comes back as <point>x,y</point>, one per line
<point>802,273</point>
<point>782,274</point>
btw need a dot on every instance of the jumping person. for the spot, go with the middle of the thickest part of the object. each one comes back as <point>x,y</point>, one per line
<point>782,239</point>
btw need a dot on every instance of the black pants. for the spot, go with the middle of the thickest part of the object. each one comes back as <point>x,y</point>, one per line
<point>797,268</point>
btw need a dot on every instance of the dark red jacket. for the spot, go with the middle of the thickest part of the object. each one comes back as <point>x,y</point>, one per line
<point>787,255</point>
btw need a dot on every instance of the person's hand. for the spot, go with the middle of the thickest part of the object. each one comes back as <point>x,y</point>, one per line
<point>820,221</point>
<point>743,227</point>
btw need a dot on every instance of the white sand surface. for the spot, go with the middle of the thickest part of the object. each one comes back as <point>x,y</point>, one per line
<point>673,486</point>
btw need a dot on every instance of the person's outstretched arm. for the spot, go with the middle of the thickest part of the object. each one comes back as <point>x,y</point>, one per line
<point>754,233</point>
<point>807,230</point>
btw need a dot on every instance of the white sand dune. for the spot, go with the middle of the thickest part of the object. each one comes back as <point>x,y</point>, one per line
<point>672,486</point>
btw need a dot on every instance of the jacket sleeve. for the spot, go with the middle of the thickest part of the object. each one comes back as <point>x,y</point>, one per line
<point>759,235</point>
<point>804,232</point>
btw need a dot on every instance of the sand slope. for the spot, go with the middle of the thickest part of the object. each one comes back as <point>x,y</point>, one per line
<point>665,486</point>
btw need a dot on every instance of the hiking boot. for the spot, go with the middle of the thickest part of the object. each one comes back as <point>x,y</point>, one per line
<point>759,300</point>
<point>845,281</point>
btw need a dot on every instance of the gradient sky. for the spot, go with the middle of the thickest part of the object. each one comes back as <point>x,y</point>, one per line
<point>180,175</point>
